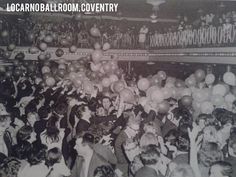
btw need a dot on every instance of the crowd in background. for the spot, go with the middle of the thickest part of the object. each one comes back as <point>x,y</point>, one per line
<point>131,35</point>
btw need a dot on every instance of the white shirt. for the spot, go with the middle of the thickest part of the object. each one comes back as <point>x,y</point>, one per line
<point>3,146</point>
<point>60,169</point>
<point>39,170</point>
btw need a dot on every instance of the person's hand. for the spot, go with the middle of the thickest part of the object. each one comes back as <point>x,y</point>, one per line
<point>160,140</point>
<point>70,92</point>
<point>162,145</point>
<point>73,101</point>
<point>118,172</point>
<point>195,138</point>
<point>194,132</point>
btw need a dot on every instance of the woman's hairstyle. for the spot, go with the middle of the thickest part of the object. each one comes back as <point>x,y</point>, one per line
<point>21,150</point>
<point>183,142</point>
<point>92,104</point>
<point>61,108</point>
<point>223,116</point>
<point>104,97</point>
<point>172,136</point>
<point>5,118</point>
<point>43,112</point>
<point>104,171</point>
<point>182,170</point>
<point>150,155</point>
<point>183,114</point>
<point>210,153</point>
<point>208,118</point>
<point>10,166</point>
<point>88,138</point>
<point>24,133</point>
<point>99,106</point>
<point>52,121</point>
<point>30,108</point>
<point>2,157</point>
<point>52,134</point>
<point>37,154</point>
<point>53,156</point>
<point>81,109</point>
<point>226,168</point>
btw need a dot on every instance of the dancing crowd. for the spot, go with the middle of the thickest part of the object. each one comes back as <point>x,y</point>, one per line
<point>113,125</point>
<point>89,118</point>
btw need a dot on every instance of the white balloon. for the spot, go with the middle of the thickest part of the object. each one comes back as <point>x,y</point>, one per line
<point>113,78</point>
<point>230,98</point>
<point>210,78</point>
<point>219,89</point>
<point>229,78</point>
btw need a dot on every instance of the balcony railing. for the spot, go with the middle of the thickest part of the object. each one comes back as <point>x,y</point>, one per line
<point>222,36</point>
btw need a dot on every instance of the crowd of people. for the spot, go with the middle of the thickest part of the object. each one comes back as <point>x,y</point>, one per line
<point>202,31</point>
<point>26,31</point>
<point>88,118</point>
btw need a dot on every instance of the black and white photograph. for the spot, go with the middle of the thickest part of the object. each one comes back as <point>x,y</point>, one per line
<point>117,88</point>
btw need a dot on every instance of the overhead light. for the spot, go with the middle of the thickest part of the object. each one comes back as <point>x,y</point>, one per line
<point>88,13</point>
<point>155,3</point>
<point>222,5</point>
<point>150,63</point>
<point>154,20</point>
<point>153,16</point>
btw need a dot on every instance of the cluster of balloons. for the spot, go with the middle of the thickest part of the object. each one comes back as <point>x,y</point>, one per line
<point>197,91</point>
<point>200,90</point>
<point>53,73</point>
<point>110,75</point>
<point>211,95</point>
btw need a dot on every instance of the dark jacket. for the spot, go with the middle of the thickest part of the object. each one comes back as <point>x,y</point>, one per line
<point>101,156</point>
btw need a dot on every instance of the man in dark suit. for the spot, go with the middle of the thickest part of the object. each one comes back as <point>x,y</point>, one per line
<point>90,156</point>
<point>129,132</point>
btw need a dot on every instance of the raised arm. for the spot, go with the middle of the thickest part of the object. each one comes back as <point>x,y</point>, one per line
<point>195,143</point>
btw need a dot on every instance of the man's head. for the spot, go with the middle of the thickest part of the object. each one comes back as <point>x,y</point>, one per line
<point>84,143</point>
<point>151,155</point>
<point>106,102</point>
<point>209,153</point>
